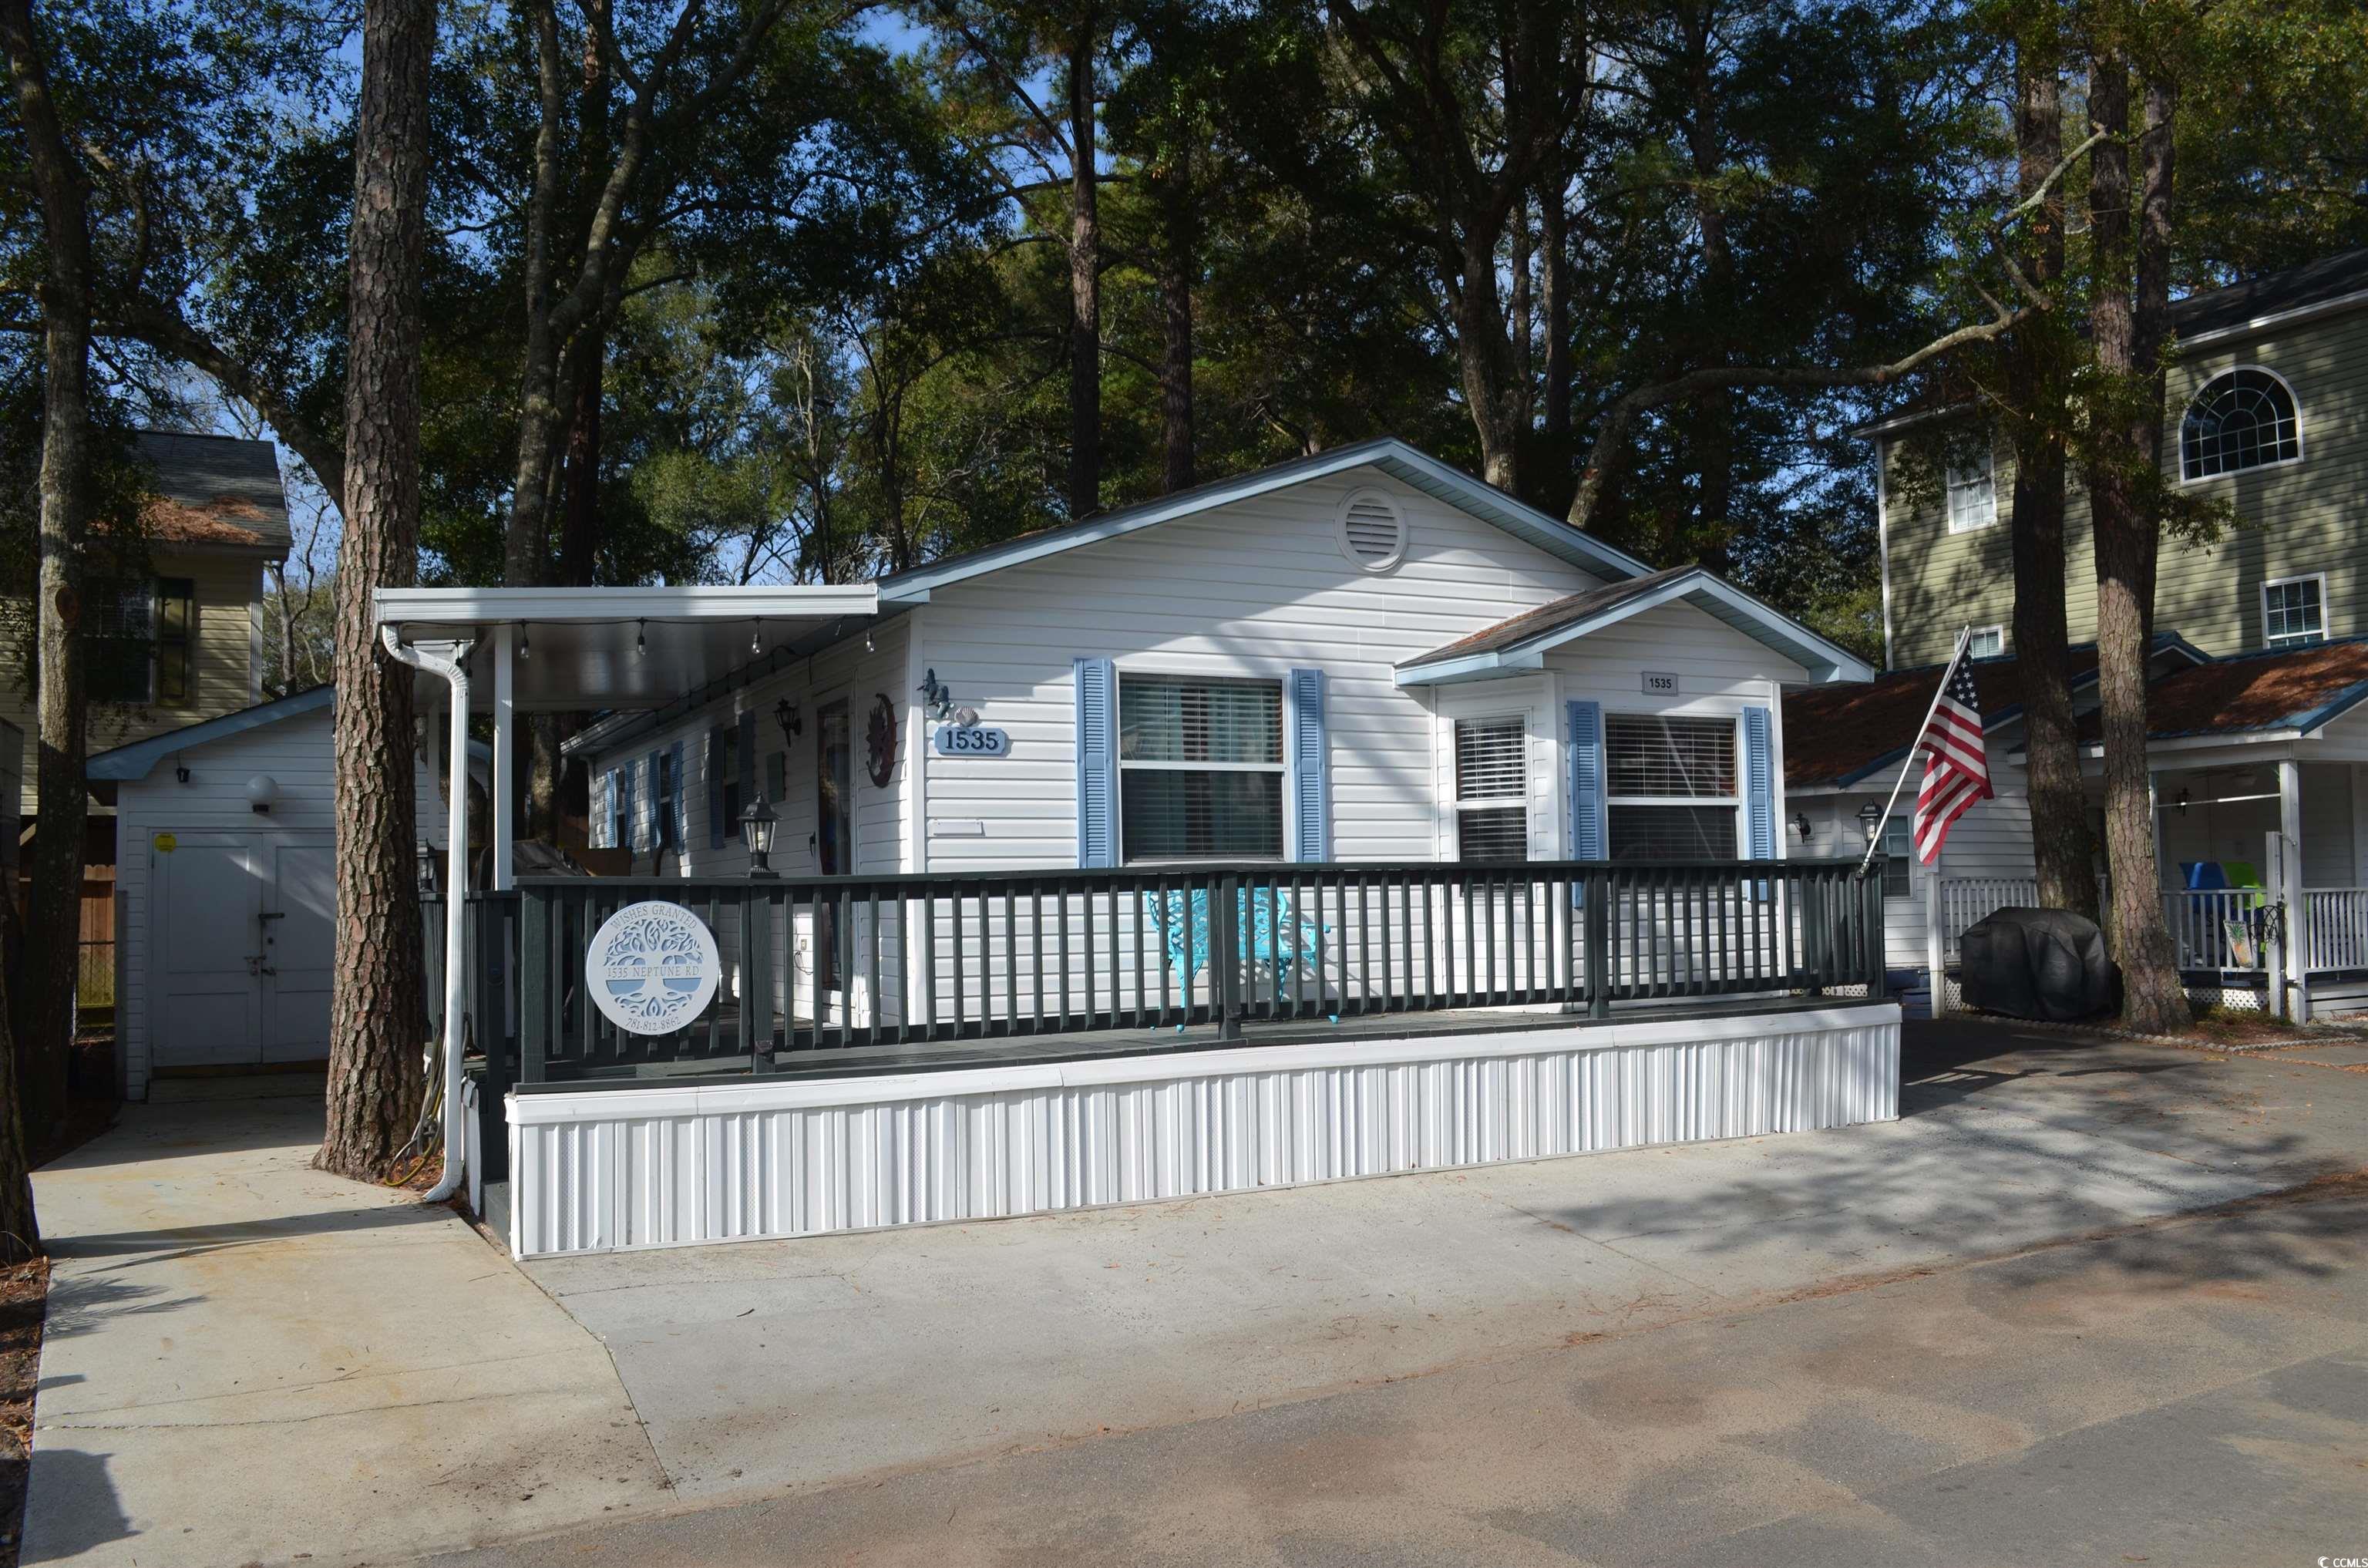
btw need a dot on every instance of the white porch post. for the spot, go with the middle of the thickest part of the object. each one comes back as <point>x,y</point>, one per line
<point>2290,880</point>
<point>504,776</point>
<point>1935,948</point>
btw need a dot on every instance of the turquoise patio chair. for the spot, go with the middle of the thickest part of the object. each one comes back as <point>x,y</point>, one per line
<point>1271,933</point>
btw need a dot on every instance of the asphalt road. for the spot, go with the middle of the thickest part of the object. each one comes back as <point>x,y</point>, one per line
<point>2190,1390</point>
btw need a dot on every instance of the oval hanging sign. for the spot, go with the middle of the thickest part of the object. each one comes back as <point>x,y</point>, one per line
<point>652,967</point>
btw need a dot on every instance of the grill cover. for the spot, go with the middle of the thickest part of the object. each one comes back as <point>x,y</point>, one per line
<point>2036,963</point>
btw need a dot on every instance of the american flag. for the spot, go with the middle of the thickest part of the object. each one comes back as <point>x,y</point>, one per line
<point>1956,765</point>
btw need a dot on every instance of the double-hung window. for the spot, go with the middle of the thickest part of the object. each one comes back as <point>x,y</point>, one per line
<point>1987,641</point>
<point>2294,612</point>
<point>1973,496</point>
<point>140,645</point>
<point>1670,788</point>
<point>1199,769</point>
<point>1898,857</point>
<point>1492,813</point>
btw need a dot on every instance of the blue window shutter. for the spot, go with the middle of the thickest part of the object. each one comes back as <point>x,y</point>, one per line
<point>715,787</point>
<point>681,796</point>
<point>1758,785</point>
<point>624,778</point>
<point>1097,762</point>
<point>645,794</point>
<point>747,765</point>
<point>1588,840</point>
<point>1310,769</point>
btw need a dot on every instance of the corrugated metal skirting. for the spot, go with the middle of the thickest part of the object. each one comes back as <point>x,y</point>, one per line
<point>601,1169</point>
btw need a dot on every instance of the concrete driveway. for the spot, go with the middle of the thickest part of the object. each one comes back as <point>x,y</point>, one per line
<point>803,1367</point>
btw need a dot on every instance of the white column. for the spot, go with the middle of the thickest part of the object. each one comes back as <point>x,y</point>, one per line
<point>503,777</point>
<point>1935,948</point>
<point>2290,879</point>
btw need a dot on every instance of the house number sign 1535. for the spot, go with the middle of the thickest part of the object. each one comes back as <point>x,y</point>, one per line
<point>972,740</point>
<point>1658,683</point>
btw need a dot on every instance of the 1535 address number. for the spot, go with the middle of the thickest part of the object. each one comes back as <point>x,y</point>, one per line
<point>972,740</point>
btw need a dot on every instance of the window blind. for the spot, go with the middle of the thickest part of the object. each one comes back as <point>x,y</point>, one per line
<point>1653,754</point>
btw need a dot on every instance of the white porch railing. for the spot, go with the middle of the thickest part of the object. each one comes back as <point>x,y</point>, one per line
<point>2335,929</point>
<point>2198,930</point>
<point>2334,921</point>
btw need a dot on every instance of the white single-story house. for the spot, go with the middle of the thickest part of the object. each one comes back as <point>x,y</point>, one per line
<point>1342,818</point>
<point>2260,763</point>
<point>226,887</point>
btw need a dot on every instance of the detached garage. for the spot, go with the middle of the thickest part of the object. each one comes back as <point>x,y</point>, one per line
<point>226,839</point>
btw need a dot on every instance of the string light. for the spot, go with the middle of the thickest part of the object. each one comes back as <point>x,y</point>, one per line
<point>755,637</point>
<point>525,647</point>
<point>641,640</point>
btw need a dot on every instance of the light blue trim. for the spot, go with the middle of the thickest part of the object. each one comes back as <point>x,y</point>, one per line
<point>1825,661</point>
<point>681,796</point>
<point>1759,789</point>
<point>1310,750</point>
<point>1410,466</point>
<point>141,757</point>
<point>1585,750</point>
<point>1096,681</point>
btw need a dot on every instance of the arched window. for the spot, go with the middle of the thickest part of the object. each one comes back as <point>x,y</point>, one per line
<point>2243,419</point>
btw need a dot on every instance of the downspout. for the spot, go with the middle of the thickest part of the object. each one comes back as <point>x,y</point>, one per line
<point>456,886</point>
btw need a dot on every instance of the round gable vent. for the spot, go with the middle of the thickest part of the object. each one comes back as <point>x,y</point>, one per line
<point>1373,532</point>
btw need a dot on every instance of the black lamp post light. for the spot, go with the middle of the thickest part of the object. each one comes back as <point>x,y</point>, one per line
<point>757,826</point>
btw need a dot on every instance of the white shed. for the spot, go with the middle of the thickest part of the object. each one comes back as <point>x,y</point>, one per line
<point>226,834</point>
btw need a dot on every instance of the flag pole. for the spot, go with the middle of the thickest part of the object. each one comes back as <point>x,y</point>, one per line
<point>1964,639</point>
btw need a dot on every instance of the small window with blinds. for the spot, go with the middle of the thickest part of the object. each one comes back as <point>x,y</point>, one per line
<point>1373,530</point>
<point>1200,769</point>
<point>1492,812</point>
<point>1670,786</point>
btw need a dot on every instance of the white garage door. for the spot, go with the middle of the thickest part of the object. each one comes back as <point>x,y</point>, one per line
<point>244,932</point>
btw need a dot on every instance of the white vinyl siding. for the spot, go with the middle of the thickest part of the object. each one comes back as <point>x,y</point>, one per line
<point>296,753</point>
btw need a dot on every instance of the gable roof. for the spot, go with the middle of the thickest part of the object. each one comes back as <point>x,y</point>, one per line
<point>1390,456</point>
<point>1524,642</point>
<point>141,757</point>
<point>214,489</point>
<point>1835,737</point>
<point>2297,689</point>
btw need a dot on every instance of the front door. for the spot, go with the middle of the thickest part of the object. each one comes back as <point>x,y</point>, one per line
<point>298,946</point>
<point>205,1001</point>
<point>834,828</point>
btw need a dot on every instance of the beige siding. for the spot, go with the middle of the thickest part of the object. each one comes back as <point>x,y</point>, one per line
<point>2303,518</point>
<point>228,596</point>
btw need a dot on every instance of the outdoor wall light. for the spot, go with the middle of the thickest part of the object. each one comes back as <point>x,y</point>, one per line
<point>1804,826</point>
<point>756,827</point>
<point>426,861</point>
<point>1870,817</point>
<point>181,771</point>
<point>262,793</point>
<point>792,723</point>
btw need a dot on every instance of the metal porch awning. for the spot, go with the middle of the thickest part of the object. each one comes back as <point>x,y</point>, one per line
<point>617,648</point>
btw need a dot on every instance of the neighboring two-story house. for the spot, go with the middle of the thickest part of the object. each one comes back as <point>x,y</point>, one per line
<point>178,644</point>
<point>2260,749</point>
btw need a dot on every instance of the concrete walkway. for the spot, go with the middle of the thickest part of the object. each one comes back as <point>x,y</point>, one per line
<point>248,1361</point>
<point>771,1366</point>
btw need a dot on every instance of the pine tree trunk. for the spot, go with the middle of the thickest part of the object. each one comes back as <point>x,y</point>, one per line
<point>377,1020</point>
<point>1176,274</point>
<point>2061,843</point>
<point>20,1232</point>
<point>55,900</point>
<point>1084,282</point>
<point>2127,541</point>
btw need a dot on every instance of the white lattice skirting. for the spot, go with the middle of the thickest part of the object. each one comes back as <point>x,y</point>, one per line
<point>598,1169</point>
